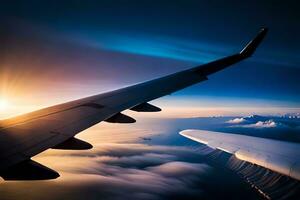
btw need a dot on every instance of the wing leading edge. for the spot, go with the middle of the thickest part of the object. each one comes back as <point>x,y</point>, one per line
<point>27,135</point>
<point>279,156</point>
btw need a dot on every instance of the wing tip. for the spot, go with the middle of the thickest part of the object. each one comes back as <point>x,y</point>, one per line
<point>185,132</point>
<point>250,48</point>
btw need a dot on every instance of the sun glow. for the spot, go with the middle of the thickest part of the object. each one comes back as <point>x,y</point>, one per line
<point>4,104</point>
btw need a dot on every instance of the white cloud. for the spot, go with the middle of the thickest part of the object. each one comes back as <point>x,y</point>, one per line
<point>260,124</point>
<point>236,121</point>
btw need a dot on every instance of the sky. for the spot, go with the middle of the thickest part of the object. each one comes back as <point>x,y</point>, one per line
<point>54,51</point>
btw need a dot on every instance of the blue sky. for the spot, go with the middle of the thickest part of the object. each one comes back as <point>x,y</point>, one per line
<point>140,40</point>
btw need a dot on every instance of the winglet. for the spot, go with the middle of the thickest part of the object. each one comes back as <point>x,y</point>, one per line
<point>253,44</point>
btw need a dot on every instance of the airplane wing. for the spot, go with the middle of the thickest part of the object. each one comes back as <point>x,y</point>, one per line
<point>27,135</point>
<point>279,156</point>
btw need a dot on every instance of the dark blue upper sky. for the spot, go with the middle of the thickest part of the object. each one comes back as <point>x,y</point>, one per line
<point>159,37</point>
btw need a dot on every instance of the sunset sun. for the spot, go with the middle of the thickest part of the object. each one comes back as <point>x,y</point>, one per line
<point>3,104</point>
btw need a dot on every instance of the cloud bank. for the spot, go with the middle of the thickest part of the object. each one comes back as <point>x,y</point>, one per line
<point>117,171</point>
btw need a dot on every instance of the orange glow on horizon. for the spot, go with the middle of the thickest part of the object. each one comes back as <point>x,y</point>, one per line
<point>23,91</point>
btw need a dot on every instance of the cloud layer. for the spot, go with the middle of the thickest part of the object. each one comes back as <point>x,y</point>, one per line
<point>117,171</point>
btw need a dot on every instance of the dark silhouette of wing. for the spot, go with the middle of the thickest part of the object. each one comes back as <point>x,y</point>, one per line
<point>27,135</point>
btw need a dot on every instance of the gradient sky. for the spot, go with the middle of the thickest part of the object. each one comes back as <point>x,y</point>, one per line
<point>53,51</point>
<point>58,50</point>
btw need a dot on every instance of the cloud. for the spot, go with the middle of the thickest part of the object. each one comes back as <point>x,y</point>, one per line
<point>260,124</point>
<point>117,171</point>
<point>178,168</point>
<point>265,124</point>
<point>236,120</point>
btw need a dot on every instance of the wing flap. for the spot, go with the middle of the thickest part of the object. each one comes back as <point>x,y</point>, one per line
<point>120,118</point>
<point>279,156</point>
<point>29,170</point>
<point>145,107</point>
<point>73,144</point>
